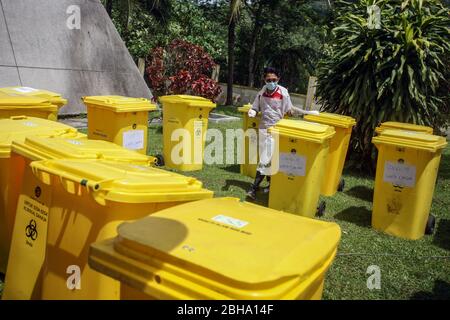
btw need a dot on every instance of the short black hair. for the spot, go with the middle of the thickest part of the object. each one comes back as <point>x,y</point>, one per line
<point>271,70</point>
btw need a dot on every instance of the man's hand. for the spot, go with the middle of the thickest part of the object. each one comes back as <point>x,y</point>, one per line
<point>251,113</point>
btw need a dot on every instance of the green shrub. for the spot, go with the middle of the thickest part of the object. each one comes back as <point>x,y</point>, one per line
<point>395,70</point>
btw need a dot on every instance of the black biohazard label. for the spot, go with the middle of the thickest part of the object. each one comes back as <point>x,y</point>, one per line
<point>31,230</point>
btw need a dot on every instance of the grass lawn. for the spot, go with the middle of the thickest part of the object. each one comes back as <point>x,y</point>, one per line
<point>409,269</point>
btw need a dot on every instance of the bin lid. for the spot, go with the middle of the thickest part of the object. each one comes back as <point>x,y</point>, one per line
<point>187,101</point>
<point>123,182</point>
<point>120,103</point>
<point>19,127</point>
<point>403,126</point>
<point>310,131</point>
<point>18,102</point>
<point>42,148</point>
<point>53,97</point>
<point>410,139</point>
<point>332,119</point>
<point>232,247</point>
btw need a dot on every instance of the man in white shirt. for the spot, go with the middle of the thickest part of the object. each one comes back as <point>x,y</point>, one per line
<point>274,102</point>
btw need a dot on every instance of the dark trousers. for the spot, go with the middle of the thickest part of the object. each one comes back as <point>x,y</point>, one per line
<point>258,179</point>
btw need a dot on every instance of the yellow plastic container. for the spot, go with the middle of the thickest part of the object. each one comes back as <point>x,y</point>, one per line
<point>13,106</point>
<point>88,200</point>
<point>403,126</point>
<point>53,97</point>
<point>302,155</point>
<point>219,248</point>
<point>407,168</point>
<point>190,114</point>
<point>122,120</point>
<point>17,129</point>
<point>343,125</point>
<point>25,260</point>
<point>47,113</point>
<point>248,168</point>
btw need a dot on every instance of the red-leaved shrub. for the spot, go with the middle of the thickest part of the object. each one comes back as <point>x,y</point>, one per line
<point>181,68</point>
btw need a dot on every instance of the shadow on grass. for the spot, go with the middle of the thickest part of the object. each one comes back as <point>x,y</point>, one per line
<point>441,291</point>
<point>442,234</point>
<point>234,168</point>
<point>360,216</point>
<point>236,183</point>
<point>361,192</point>
<point>444,168</point>
<point>262,199</point>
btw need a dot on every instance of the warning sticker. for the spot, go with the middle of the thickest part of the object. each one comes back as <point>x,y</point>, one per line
<point>32,217</point>
<point>25,89</point>
<point>133,139</point>
<point>198,129</point>
<point>292,164</point>
<point>399,174</point>
<point>28,244</point>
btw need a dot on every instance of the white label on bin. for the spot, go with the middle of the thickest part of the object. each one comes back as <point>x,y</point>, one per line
<point>25,89</point>
<point>230,221</point>
<point>292,164</point>
<point>75,142</point>
<point>29,124</point>
<point>399,174</point>
<point>133,139</point>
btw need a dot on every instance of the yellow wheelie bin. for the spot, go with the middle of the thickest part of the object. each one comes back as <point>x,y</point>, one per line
<point>343,126</point>
<point>191,252</point>
<point>11,106</point>
<point>403,126</point>
<point>185,118</point>
<point>18,128</point>
<point>248,168</point>
<point>55,99</point>
<point>299,161</point>
<point>25,260</point>
<point>88,200</point>
<point>122,120</point>
<point>407,168</point>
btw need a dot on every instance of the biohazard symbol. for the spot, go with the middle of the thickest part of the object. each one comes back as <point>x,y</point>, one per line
<point>37,192</point>
<point>31,231</point>
<point>198,132</point>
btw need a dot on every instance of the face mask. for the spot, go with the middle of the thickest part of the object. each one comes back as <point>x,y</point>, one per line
<point>271,85</point>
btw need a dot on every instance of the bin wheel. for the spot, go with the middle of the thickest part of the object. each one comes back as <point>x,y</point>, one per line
<point>429,228</point>
<point>321,208</point>
<point>341,185</point>
<point>159,160</point>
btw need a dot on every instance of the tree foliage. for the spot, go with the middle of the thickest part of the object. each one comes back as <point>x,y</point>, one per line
<point>391,71</point>
<point>144,26</point>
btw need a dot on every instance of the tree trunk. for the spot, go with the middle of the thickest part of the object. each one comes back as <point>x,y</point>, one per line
<point>108,7</point>
<point>231,44</point>
<point>251,58</point>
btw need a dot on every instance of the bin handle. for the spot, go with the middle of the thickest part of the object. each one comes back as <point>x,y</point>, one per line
<point>19,117</point>
<point>38,168</point>
<point>65,131</point>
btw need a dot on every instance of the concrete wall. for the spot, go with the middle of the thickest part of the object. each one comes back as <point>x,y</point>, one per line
<point>243,95</point>
<point>38,49</point>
